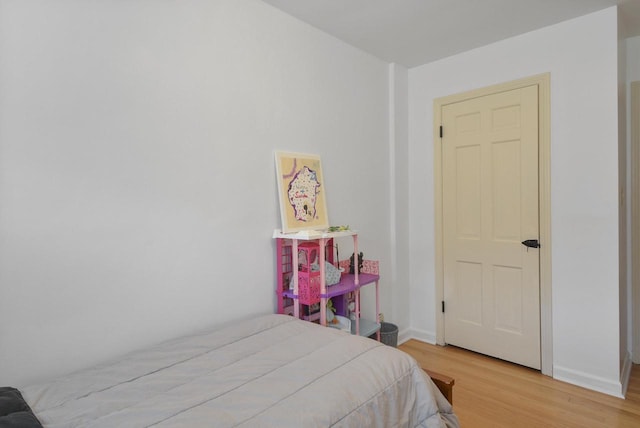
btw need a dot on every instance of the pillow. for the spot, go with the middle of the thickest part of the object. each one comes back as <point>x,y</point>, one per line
<point>14,411</point>
<point>331,274</point>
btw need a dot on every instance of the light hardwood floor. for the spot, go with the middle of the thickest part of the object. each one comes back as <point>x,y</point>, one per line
<point>492,393</point>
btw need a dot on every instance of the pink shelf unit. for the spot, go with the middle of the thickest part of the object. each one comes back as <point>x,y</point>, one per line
<point>309,281</point>
<point>295,253</point>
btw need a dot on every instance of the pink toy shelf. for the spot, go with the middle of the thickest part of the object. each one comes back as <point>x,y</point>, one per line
<point>301,281</point>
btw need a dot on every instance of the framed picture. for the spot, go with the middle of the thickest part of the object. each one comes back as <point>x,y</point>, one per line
<point>303,202</point>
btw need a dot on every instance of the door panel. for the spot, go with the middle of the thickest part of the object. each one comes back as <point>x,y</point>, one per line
<point>490,205</point>
<point>469,292</point>
<point>468,192</point>
<point>505,159</point>
<point>508,299</point>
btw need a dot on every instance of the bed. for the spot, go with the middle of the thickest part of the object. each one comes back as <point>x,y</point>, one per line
<point>272,371</point>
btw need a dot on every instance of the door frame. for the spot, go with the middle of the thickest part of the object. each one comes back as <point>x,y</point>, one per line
<point>544,189</point>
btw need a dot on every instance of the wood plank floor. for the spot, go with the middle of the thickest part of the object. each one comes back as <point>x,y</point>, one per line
<point>493,393</point>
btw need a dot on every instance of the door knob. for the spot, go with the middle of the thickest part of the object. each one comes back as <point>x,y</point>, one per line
<point>531,243</point>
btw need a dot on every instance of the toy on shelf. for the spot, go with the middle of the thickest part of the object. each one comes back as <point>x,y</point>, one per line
<point>331,313</point>
<point>308,277</point>
<point>338,228</point>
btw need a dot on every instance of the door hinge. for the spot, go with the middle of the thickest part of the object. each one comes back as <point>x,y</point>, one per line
<point>441,131</point>
<point>443,306</point>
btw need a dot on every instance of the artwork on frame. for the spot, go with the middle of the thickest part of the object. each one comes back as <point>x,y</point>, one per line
<point>303,203</point>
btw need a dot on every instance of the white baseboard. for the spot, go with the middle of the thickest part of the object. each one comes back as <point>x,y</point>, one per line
<point>625,374</point>
<point>403,336</point>
<point>421,335</point>
<point>589,381</point>
<point>574,377</point>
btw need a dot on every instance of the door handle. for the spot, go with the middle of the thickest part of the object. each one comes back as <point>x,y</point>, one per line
<point>531,243</point>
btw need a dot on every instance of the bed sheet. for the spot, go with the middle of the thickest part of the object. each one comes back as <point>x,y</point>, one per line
<point>272,371</point>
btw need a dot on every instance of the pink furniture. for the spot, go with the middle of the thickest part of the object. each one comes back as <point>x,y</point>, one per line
<point>295,253</point>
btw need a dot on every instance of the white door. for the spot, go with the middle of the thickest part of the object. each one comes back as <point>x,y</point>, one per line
<point>490,206</point>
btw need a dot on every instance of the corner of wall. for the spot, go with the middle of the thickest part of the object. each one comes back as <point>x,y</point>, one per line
<point>625,374</point>
<point>417,334</point>
<point>399,197</point>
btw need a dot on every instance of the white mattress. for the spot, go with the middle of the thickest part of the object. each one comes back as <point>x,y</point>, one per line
<point>274,371</point>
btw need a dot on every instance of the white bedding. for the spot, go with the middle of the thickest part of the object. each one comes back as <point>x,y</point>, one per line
<point>274,371</point>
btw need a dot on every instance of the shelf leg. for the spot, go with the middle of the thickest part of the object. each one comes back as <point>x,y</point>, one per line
<point>357,295</point>
<point>356,261</point>
<point>280,286</point>
<point>378,310</point>
<point>323,284</point>
<point>294,260</point>
<point>356,281</point>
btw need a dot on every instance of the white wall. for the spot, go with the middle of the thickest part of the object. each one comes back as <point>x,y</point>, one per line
<point>137,183</point>
<point>581,56</point>
<point>624,211</point>
<point>632,57</point>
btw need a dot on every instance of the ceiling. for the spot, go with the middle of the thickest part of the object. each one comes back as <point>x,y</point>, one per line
<point>415,32</point>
